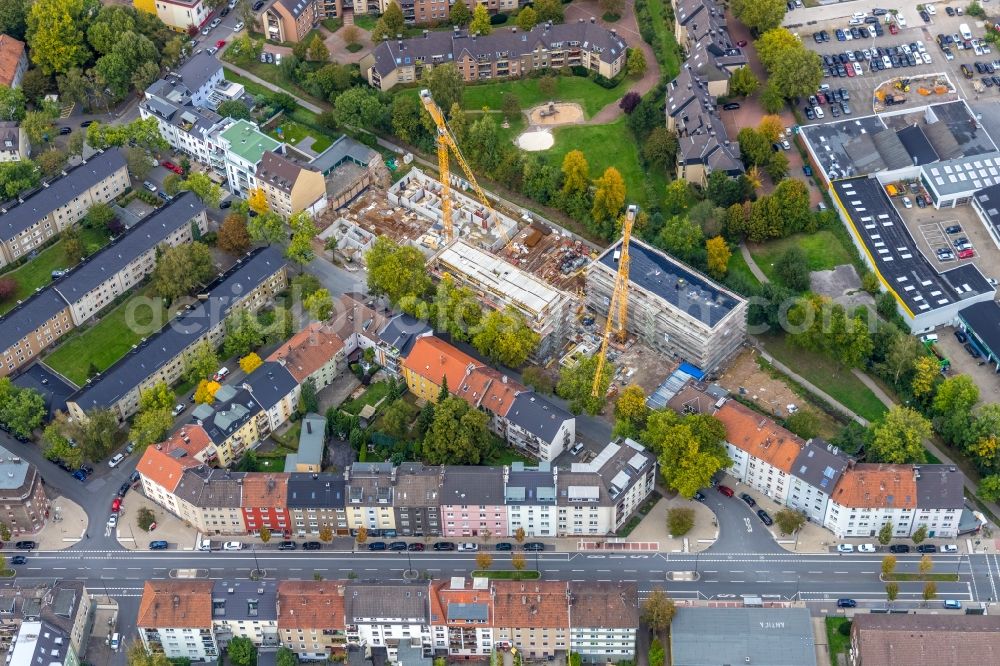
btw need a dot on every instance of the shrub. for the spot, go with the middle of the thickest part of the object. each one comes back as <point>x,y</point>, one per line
<point>680,520</point>
<point>498,19</point>
<point>580,70</point>
<point>145,518</point>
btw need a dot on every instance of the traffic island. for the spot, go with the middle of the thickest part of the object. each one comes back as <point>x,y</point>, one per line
<point>507,575</point>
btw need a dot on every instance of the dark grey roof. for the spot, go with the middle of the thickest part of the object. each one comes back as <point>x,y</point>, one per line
<point>294,7</point>
<point>537,414</point>
<point>142,237</point>
<point>891,149</point>
<point>898,259</point>
<point>675,283</point>
<point>244,600</point>
<point>618,467</point>
<point>472,485</point>
<point>59,192</point>
<point>983,320</point>
<point>468,612</point>
<point>820,465</point>
<point>315,491</point>
<point>830,142</point>
<point>944,142</point>
<point>198,70</point>
<point>939,487</point>
<point>416,486</point>
<point>772,636</point>
<point>312,440</point>
<point>28,316</point>
<point>270,383</point>
<point>10,136</point>
<point>532,486</point>
<point>229,412</point>
<point>365,603</point>
<point>919,148</point>
<point>451,46</point>
<point>210,488</point>
<point>402,331</point>
<point>969,133</point>
<point>344,148</point>
<point>164,345</point>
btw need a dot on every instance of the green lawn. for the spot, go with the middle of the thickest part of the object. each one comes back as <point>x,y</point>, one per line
<point>588,94</point>
<point>837,642</point>
<point>665,35</point>
<point>828,375</point>
<point>293,132</point>
<point>375,392</point>
<point>109,339</point>
<point>823,250</point>
<point>738,268</point>
<point>332,24</point>
<point>365,21</point>
<point>506,456</point>
<point>269,73</point>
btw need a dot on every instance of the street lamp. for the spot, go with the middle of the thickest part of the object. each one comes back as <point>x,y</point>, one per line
<point>253,549</point>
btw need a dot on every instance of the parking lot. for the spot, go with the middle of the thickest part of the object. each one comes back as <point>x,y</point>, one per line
<point>928,228</point>
<point>861,88</point>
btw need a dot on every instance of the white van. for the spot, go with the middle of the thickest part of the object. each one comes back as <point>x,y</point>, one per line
<point>964,30</point>
<point>930,337</point>
<point>205,544</point>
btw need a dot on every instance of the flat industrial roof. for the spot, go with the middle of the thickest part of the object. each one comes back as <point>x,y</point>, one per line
<point>971,136</point>
<point>499,277</point>
<point>983,319</point>
<point>829,141</point>
<point>903,267</point>
<point>678,285</point>
<point>988,201</point>
<point>964,173</point>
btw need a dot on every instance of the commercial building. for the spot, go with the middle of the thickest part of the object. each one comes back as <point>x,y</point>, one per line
<point>671,307</point>
<point>291,186</point>
<point>34,217</point>
<point>925,297</point>
<point>311,618</point>
<point>772,636</point>
<point>986,203</point>
<point>175,618</point>
<point>504,53</point>
<point>500,285</point>
<point>249,284</point>
<point>603,620</point>
<point>13,61</point>
<point>22,494</point>
<point>14,143</point>
<point>981,322</point>
<point>900,640</point>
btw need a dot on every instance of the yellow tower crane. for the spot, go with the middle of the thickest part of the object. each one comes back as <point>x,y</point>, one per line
<point>619,300</point>
<point>445,142</point>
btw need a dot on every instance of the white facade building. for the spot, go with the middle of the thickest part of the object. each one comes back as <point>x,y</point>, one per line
<point>388,615</point>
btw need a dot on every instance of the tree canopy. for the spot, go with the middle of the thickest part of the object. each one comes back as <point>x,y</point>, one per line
<point>396,270</point>
<point>458,435</point>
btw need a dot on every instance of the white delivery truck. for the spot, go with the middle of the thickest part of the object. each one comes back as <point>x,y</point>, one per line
<point>965,32</point>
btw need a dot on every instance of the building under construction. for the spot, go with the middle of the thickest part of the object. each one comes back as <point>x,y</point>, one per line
<point>671,307</point>
<point>499,285</point>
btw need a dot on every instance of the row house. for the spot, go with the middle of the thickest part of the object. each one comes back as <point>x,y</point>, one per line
<point>32,327</point>
<point>245,609</point>
<point>276,390</point>
<point>369,489</point>
<point>314,354</point>
<point>532,616</point>
<point>47,624</point>
<point>317,501</point>
<point>472,502</point>
<point>175,619</point>
<point>265,503</point>
<point>249,285</point>
<point>390,336</point>
<point>388,616</point>
<point>234,423</point>
<point>35,217</point>
<point>416,504</point>
<point>504,53</point>
<point>211,500</point>
<point>530,498</point>
<point>815,473</point>
<point>311,618</point>
<point>703,33</point>
<point>603,620</point>
<point>161,468</point>
<point>462,617</point>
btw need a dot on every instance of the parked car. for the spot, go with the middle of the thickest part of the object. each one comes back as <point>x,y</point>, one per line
<point>845,548</point>
<point>65,130</point>
<point>898,548</point>
<point>949,548</point>
<point>116,504</point>
<point>749,500</point>
<point>80,476</point>
<point>953,604</point>
<point>730,106</point>
<point>415,547</point>
<point>926,548</point>
<point>122,489</point>
<point>25,545</point>
<point>534,546</point>
<point>116,459</point>
<point>505,546</point>
<point>444,545</point>
<point>967,253</point>
<point>468,547</point>
<point>846,603</point>
<point>725,490</point>
<point>764,517</point>
<point>257,5</point>
<point>866,548</point>
<point>397,545</point>
<point>312,545</point>
<point>239,26</point>
<point>157,545</point>
<point>953,229</point>
<point>287,545</point>
<point>221,374</point>
<point>699,496</point>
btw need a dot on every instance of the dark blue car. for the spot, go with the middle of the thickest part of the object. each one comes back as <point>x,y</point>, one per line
<point>80,475</point>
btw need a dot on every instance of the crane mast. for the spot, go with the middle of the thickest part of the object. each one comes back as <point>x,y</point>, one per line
<point>618,307</point>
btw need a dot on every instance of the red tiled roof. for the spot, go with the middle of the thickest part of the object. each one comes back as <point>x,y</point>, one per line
<point>488,388</point>
<point>309,604</point>
<point>308,350</point>
<point>877,486</point>
<point>176,604</point>
<point>266,491</point>
<point>759,436</point>
<point>11,51</point>
<point>163,469</point>
<point>531,604</point>
<point>442,596</point>
<point>433,358</point>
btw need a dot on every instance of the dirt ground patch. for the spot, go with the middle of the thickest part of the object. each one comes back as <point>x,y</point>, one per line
<point>553,113</point>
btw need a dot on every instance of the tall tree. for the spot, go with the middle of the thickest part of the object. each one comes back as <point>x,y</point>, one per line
<point>459,14</point>
<point>658,611</point>
<point>180,269</point>
<point>359,107</point>
<point>718,256</point>
<point>243,334</point>
<point>759,15</point>
<point>204,187</point>
<point>233,234</point>
<point>690,449</point>
<point>576,385</point>
<point>952,407</point>
<point>12,104</point>
<point>609,196</point>
<point>396,271</point>
<point>200,363</point>
<point>480,24</point>
<point>55,35</point>
<point>14,18</point>
<point>549,10</point>
<point>150,426</point>
<point>98,434</point>
<point>319,304</point>
<point>300,249</point>
<point>457,436</point>
<point>636,62</point>
<point>576,173</point>
<point>317,49</point>
<point>506,338</point>
<point>446,86</point>
<point>266,228</point>
<point>527,18</point>
<point>898,437</point>
<point>390,24</point>
<point>160,396</point>
<point>258,201</point>
<point>631,412</point>
<point>743,83</point>
<point>22,409</point>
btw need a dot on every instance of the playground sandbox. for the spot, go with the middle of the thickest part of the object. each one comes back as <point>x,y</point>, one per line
<point>556,113</point>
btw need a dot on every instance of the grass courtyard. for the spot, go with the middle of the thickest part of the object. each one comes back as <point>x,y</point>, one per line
<point>292,133</point>
<point>109,339</point>
<point>583,91</point>
<point>823,250</point>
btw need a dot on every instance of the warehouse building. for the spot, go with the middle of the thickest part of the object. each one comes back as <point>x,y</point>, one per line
<point>671,307</point>
<point>772,636</point>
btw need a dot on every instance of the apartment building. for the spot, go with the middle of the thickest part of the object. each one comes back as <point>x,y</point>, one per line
<point>234,423</point>
<point>311,618</point>
<point>31,327</point>
<point>701,29</point>
<point>47,625</point>
<point>211,500</point>
<point>532,616</point>
<point>275,390</point>
<point>316,501</point>
<point>388,615</point>
<point>530,498</point>
<point>472,502</point>
<point>291,186</point>
<point>505,53</point>
<point>265,503</point>
<point>243,147</point>
<point>13,61</point>
<point>815,474</point>
<point>180,15</point>
<point>462,617</point>
<point>161,468</point>
<point>316,354</point>
<point>538,426</point>
<point>603,620</point>
<point>22,494</point>
<point>250,284</point>
<point>127,260</point>
<point>29,221</point>
<point>289,20</point>
<point>671,307</point>
<point>175,618</point>
<point>502,286</point>
<point>416,502</point>
<point>14,143</point>
<point>763,453</point>
<point>245,609</point>
<point>369,492</point>
<point>393,341</point>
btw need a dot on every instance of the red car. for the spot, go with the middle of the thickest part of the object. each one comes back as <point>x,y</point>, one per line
<point>219,44</point>
<point>893,29</point>
<point>172,167</point>
<point>967,253</point>
<point>725,490</point>
<point>741,43</point>
<point>116,505</point>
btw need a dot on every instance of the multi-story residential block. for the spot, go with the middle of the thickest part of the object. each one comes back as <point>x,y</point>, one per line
<point>393,341</point>
<point>175,618</point>
<point>250,284</point>
<point>415,500</point>
<point>502,54</point>
<point>603,620</point>
<point>538,426</point>
<point>532,616</point>
<point>211,500</point>
<point>187,127</point>
<point>13,61</point>
<point>671,307</point>
<point>389,616</point>
<point>34,218</point>
<point>291,186</point>
<point>234,423</point>
<point>289,20</point>
<point>162,466</point>
<point>701,29</point>
<point>180,15</point>
<point>903,639</point>
<point>815,474</point>
<point>316,354</point>
<point>22,494</point>
<point>242,147</point>
<point>472,502</point>
<point>500,285</point>
<point>14,143</point>
<point>462,617</point>
<point>316,501</point>
<point>31,327</point>
<point>245,609</point>
<point>128,259</point>
<point>312,446</point>
<point>530,498</point>
<point>763,453</point>
<point>431,363</point>
<point>311,618</point>
<point>265,503</point>
<point>47,624</point>
<point>275,390</point>
<point>369,491</point>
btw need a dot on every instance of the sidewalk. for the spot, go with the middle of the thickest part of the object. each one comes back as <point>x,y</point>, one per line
<point>66,525</point>
<point>169,527</point>
<point>751,264</point>
<point>653,527</point>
